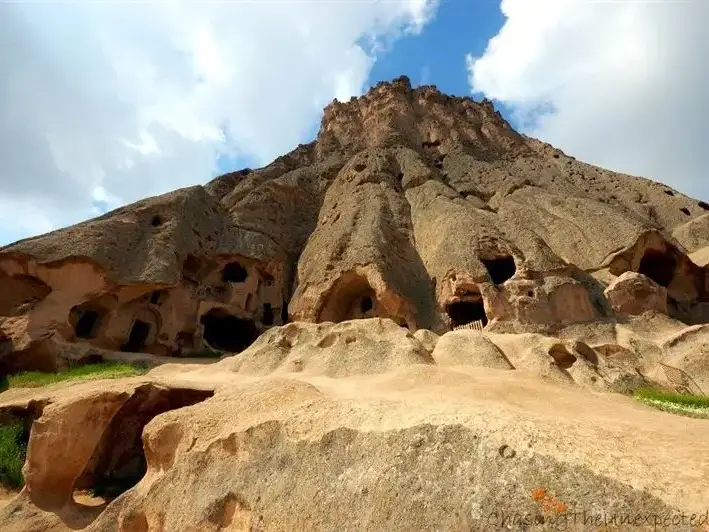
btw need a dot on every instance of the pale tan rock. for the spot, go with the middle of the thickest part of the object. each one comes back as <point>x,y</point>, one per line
<point>299,452</point>
<point>633,294</point>
<point>356,347</point>
<point>428,339</point>
<point>349,226</point>
<point>694,234</point>
<point>469,348</point>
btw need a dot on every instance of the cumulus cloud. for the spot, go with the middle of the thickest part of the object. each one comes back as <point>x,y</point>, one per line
<point>619,84</point>
<point>105,103</point>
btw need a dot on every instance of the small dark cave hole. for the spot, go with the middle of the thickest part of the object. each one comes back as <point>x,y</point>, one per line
<point>156,297</point>
<point>88,323</point>
<point>118,461</point>
<point>703,205</point>
<point>366,304</point>
<point>139,333</point>
<point>234,273</point>
<point>191,267</point>
<point>669,193</point>
<point>500,269</point>
<point>226,332</point>
<point>658,266</point>
<point>284,312</point>
<point>685,210</point>
<point>562,358</point>
<point>155,221</point>
<point>464,312</point>
<point>267,314</point>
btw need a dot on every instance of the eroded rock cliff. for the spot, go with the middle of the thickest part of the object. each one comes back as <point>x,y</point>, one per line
<point>410,204</point>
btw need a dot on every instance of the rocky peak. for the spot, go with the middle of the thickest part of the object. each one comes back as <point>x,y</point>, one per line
<point>394,113</point>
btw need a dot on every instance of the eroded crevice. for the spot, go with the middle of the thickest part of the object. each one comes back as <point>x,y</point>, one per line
<point>226,332</point>
<point>118,462</point>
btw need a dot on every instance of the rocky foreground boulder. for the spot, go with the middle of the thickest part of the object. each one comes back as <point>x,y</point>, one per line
<point>354,426</point>
<point>422,316</point>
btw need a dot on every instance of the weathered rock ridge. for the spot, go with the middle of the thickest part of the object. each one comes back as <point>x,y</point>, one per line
<point>356,426</point>
<point>411,204</point>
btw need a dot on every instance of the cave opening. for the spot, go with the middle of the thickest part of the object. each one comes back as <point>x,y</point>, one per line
<point>137,338</point>
<point>500,269</point>
<point>267,314</point>
<point>658,266</point>
<point>234,273</point>
<point>118,462</point>
<point>284,312</point>
<point>352,297</point>
<point>366,304</point>
<point>464,312</point>
<point>226,332</point>
<point>88,323</point>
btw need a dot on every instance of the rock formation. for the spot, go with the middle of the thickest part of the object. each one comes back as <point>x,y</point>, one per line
<point>347,283</point>
<point>410,204</point>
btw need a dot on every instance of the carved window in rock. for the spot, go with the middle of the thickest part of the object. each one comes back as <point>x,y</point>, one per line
<point>234,273</point>
<point>157,297</point>
<point>500,269</point>
<point>88,323</point>
<point>138,337</point>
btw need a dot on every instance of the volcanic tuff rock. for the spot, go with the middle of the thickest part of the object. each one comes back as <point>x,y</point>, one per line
<point>353,426</point>
<point>411,204</point>
<point>353,276</point>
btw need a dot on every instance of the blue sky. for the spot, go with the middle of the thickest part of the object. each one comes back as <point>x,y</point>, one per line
<point>432,57</point>
<point>147,97</point>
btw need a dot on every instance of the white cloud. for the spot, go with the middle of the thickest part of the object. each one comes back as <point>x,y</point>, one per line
<point>621,84</point>
<point>105,103</point>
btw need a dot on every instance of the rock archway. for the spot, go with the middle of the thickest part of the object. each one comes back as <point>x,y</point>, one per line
<point>118,461</point>
<point>352,297</point>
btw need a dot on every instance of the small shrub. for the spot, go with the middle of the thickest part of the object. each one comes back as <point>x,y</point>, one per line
<point>12,454</point>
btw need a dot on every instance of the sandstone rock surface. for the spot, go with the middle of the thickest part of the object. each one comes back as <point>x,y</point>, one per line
<point>410,204</point>
<point>403,446</point>
<point>421,317</point>
<point>633,293</point>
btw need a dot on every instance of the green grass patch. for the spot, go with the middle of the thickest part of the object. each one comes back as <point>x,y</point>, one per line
<point>207,352</point>
<point>678,403</point>
<point>12,454</point>
<point>102,370</point>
